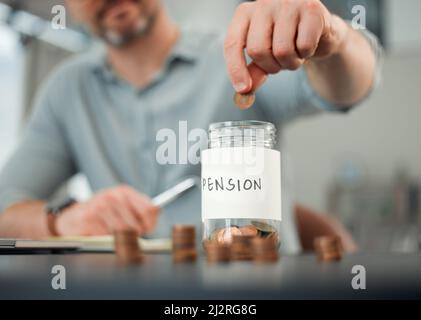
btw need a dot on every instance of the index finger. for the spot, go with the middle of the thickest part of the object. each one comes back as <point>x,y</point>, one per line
<point>234,45</point>
<point>143,207</point>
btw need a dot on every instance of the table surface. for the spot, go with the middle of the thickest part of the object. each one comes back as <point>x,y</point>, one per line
<point>99,276</point>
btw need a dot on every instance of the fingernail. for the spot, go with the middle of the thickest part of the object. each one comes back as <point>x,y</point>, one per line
<point>240,87</point>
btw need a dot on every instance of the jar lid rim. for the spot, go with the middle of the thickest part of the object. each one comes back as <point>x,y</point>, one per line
<point>241,123</point>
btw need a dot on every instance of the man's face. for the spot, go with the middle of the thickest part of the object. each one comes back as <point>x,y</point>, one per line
<point>118,22</point>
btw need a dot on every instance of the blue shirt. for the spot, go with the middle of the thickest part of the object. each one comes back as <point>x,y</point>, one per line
<point>88,120</point>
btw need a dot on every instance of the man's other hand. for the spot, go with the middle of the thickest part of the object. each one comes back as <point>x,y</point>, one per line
<point>116,209</point>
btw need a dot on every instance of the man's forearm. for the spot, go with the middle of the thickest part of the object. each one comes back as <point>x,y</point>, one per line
<point>347,76</point>
<point>24,220</point>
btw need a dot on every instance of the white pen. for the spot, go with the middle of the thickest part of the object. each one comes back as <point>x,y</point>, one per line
<point>173,193</point>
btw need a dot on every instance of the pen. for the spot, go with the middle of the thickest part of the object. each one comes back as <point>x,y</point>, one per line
<point>175,192</point>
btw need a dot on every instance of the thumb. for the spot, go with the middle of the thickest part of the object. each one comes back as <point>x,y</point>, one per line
<point>258,76</point>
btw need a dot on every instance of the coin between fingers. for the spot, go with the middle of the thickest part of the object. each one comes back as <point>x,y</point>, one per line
<point>244,100</point>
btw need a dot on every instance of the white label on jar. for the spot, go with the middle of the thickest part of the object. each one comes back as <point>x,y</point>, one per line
<point>241,183</point>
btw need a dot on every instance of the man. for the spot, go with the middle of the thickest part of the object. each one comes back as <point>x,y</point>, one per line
<point>100,113</point>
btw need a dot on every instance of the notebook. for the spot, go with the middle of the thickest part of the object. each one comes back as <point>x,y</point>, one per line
<point>106,243</point>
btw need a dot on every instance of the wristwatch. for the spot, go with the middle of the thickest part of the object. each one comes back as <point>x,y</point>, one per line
<point>53,209</point>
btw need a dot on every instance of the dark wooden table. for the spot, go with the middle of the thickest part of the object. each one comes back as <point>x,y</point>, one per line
<point>98,276</point>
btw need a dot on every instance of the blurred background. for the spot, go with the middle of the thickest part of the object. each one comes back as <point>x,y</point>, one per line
<point>364,168</point>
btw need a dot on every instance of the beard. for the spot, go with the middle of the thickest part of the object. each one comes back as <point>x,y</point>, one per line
<point>120,39</point>
<point>121,31</point>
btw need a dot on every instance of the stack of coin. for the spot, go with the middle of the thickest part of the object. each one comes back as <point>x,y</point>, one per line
<point>184,243</point>
<point>241,247</point>
<point>216,252</point>
<point>328,248</point>
<point>126,245</point>
<point>264,250</point>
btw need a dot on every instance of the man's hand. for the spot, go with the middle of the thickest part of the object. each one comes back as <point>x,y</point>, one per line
<point>279,35</point>
<point>116,209</point>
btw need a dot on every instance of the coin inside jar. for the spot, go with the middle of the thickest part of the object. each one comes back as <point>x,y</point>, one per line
<point>263,226</point>
<point>244,100</point>
<point>249,230</point>
<point>225,235</point>
<point>264,250</point>
<point>216,252</point>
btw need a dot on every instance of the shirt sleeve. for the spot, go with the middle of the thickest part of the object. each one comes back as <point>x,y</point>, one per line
<point>289,94</point>
<point>42,160</point>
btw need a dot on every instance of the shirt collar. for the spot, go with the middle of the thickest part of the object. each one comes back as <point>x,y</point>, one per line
<point>187,48</point>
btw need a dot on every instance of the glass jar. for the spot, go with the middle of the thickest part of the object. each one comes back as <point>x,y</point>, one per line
<point>241,181</point>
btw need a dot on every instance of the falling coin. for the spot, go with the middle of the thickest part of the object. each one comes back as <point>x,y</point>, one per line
<point>244,100</point>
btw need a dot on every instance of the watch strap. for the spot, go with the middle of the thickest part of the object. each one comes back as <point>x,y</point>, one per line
<point>53,209</point>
